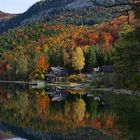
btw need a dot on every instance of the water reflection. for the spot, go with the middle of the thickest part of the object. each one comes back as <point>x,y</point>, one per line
<point>59,110</point>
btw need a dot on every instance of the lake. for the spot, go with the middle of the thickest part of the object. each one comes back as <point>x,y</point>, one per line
<point>57,113</point>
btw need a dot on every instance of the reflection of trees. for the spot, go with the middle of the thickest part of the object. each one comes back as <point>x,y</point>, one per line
<point>93,108</point>
<point>79,108</point>
<point>16,110</point>
<point>21,110</point>
<point>19,104</point>
<point>4,95</point>
<point>79,91</point>
<point>23,103</point>
<point>127,109</point>
<point>75,110</point>
<point>37,112</point>
<point>42,103</point>
<point>100,118</point>
<point>57,110</point>
<point>108,120</point>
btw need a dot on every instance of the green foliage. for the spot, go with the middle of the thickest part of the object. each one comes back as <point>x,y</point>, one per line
<point>18,62</point>
<point>90,59</point>
<point>127,60</point>
<point>93,108</point>
<point>104,58</point>
<point>38,75</point>
<point>137,11</point>
<point>21,62</point>
<point>54,54</point>
<point>124,30</point>
<point>135,83</point>
<point>97,82</point>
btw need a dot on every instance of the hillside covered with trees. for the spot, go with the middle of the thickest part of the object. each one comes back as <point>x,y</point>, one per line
<point>45,44</point>
<point>27,52</point>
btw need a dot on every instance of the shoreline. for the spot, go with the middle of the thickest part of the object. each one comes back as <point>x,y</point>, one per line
<point>17,82</point>
<point>38,84</point>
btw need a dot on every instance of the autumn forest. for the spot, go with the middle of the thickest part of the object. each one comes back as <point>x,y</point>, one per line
<point>28,52</point>
<point>70,69</point>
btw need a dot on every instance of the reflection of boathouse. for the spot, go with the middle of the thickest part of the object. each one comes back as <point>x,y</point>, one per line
<point>56,74</point>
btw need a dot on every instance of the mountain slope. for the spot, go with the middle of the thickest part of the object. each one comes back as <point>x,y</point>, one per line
<point>67,11</point>
<point>4,16</point>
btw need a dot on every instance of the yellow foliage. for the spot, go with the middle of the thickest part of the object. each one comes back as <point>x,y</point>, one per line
<point>78,59</point>
<point>46,47</point>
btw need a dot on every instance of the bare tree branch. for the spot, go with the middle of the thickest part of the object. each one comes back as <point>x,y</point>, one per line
<point>108,5</point>
<point>126,5</point>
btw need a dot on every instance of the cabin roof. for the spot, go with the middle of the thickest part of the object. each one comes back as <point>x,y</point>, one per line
<point>50,75</point>
<point>107,68</point>
<point>57,71</point>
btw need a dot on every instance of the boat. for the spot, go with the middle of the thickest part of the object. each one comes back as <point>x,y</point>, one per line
<point>51,93</point>
<point>59,97</point>
<point>90,95</point>
<point>58,88</point>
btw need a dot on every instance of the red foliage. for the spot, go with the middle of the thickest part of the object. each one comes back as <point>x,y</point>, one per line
<point>3,67</point>
<point>38,48</point>
<point>96,123</point>
<point>94,37</point>
<point>108,40</point>
<point>109,122</point>
<point>83,41</point>
<point>107,37</point>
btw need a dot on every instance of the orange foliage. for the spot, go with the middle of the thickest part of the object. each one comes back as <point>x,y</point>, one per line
<point>3,67</point>
<point>96,124</point>
<point>4,95</point>
<point>108,122</point>
<point>42,64</point>
<point>38,48</point>
<point>42,39</point>
<point>84,47</point>
<point>42,102</point>
<point>108,39</point>
<point>94,37</point>
<point>106,46</point>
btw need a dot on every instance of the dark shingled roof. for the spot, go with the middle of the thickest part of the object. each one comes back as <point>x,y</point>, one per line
<point>58,71</point>
<point>107,68</point>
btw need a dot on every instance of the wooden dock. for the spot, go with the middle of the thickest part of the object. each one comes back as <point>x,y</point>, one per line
<point>19,82</point>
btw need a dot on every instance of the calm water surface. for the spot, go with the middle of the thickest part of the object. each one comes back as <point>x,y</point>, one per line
<point>57,114</point>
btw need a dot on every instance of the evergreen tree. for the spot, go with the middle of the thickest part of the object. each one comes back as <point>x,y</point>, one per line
<point>56,56</point>
<point>21,62</point>
<point>90,59</point>
<point>127,61</point>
